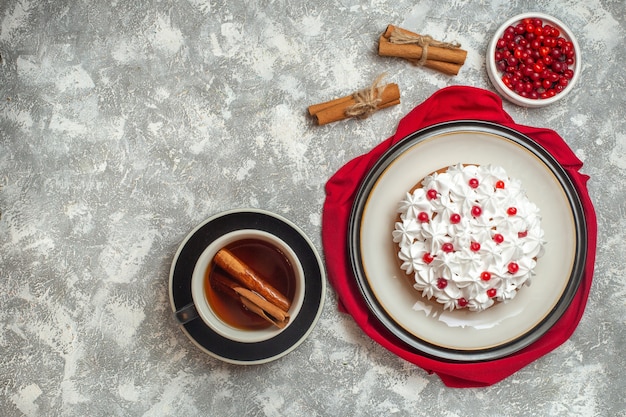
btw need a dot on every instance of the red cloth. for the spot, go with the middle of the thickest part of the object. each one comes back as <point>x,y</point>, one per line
<point>451,103</point>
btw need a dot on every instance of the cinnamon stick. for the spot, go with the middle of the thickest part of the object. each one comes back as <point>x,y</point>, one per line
<point>440,56</point>
<point>338,109</point>
<point>251,301</point>
<point>250,279</point>
<point>435,53</point>
<point>316,108</point>
<point>386,48</point>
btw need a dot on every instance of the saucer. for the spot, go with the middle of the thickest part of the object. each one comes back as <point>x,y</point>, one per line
<point>215,344</point>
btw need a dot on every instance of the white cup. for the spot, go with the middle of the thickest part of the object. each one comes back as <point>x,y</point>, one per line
<point>202,309</point>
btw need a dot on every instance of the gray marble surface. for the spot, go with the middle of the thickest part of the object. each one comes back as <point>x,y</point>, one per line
<point>123,125</point>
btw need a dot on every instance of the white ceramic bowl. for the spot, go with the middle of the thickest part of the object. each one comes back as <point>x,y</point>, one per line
<point>204,308</point>
<point>496,76</point>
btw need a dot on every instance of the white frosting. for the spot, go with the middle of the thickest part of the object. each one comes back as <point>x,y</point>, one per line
<point>473,205</point>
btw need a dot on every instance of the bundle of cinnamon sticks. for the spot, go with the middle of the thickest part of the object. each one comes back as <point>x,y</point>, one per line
<point>360,104</point>
<point>447,58</point>
<point>251,289</point>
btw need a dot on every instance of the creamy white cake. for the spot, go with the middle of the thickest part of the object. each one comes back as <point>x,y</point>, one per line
<point>468,236</point>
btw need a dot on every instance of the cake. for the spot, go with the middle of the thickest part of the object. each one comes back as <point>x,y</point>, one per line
<point>468,236</point>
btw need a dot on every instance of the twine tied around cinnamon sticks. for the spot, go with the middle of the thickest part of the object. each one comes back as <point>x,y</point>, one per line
<point>422,50</point>
<point>360,105</point>
<point>424,41</point>
<point>366,100</point>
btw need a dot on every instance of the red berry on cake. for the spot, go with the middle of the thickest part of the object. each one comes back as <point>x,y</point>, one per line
<point>500,184</point>
<point>431,194</point>
<point>455,218</point>
<point>498,238</point>
<point>447,247</point>
<point>428,258</point>
<point>462,302</point>
<point>511,211</point>
<point>423,217</point>
<point>474,246</point>
<point>491,292</point>
<point>476,211</point>
<point>522,234</point>
<point>513,267</point>
<point>473,182</point>
<point>442,283</point>
<point>485,276</point>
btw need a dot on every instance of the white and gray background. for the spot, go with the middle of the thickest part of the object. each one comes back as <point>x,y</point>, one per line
<point>124,124</point>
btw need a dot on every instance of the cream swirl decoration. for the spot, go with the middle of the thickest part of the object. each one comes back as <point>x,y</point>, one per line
<point>469,237</point>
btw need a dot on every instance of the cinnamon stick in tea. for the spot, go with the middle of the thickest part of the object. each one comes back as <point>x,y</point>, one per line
<point>373,99</point>
<point>251,301</point>
<point>250,279</point>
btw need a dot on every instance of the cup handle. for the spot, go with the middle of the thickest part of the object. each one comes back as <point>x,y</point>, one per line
<point>186,314</point>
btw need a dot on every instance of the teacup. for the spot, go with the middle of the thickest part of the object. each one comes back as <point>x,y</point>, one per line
<point>207,300</point>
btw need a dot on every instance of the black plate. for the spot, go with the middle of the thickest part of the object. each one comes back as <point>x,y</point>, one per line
<point>237,352</point>
<point>365,270</point>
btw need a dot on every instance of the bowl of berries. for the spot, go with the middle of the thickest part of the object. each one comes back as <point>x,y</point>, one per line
<point>533,60</point>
